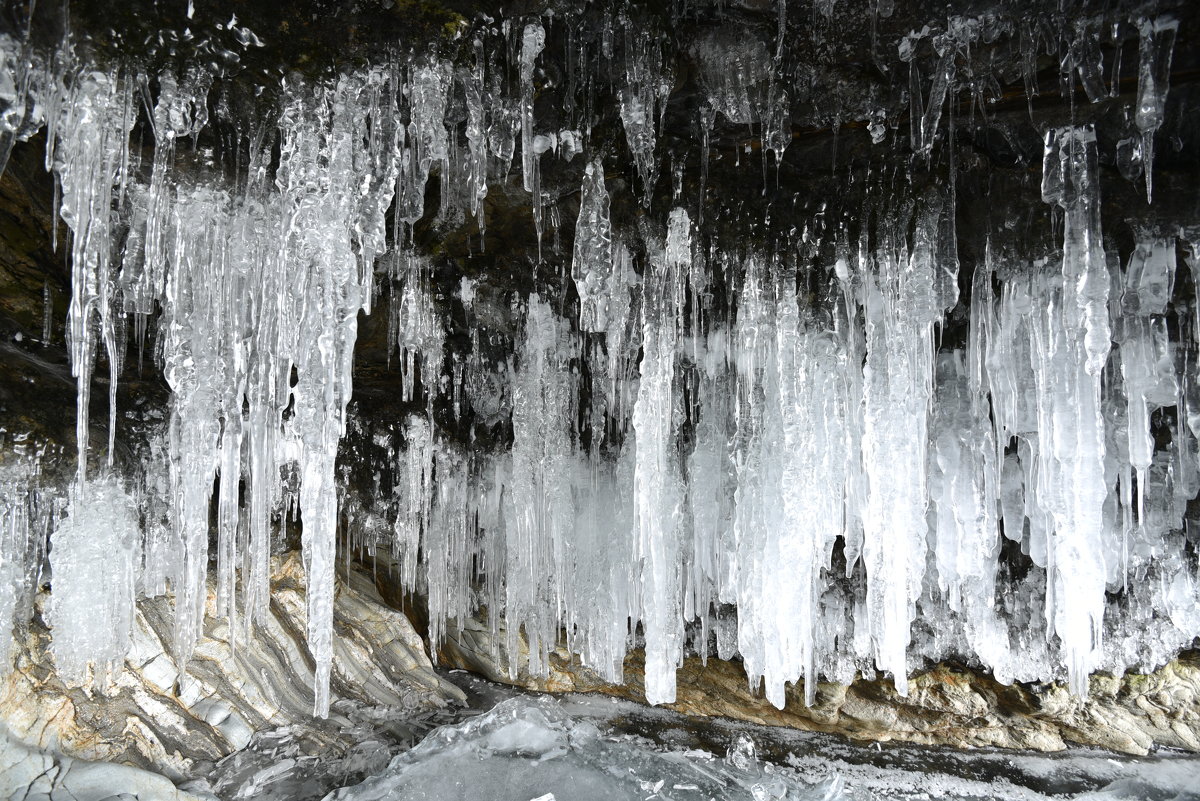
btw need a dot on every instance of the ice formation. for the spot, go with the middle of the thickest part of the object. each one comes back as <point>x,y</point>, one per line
<point>769,447</point>
<point>535,750</point>
<point>95,554</point>
<point>27,514</point>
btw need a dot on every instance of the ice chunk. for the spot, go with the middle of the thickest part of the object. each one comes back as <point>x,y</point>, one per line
<point>532,750</point>
<point>419,330</point>
<point>1150,276</point>
<point>732,66</point>
<point>95,555</point>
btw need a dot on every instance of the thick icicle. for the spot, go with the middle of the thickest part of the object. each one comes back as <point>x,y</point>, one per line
<point>1071,342</point>
<point>900,309</point>
<point>592,266</point>
<point>656,490</point>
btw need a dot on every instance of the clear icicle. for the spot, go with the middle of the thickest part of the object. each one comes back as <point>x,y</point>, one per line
<point>592,265</point>
<point>1154,75</point>
<point>533,39</point>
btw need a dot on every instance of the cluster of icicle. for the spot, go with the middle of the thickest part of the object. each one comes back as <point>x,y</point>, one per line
<point>259,287</point>
<point>755,446</point>
<point>727,457</point>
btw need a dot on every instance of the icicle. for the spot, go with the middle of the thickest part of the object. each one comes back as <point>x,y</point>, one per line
<point>1154,75</point>
<point>592,266</point>
<point>47,314</point>
<point>426,137</point>
<point>942,77</point>
<point>89,164</point>
<point>476,137</point>
<point>643,101</point>
<point>532,41</point>
<point>707,117</point>
<point>656,489</point>
<point>414,497</point>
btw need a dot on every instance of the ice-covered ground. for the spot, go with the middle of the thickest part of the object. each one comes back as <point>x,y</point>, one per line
<point>510,746</point>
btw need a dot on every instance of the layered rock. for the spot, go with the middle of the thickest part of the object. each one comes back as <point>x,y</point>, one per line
<point>175,722</point>
<point>945,705</point>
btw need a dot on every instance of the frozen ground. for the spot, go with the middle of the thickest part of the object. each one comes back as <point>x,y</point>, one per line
<point>510,746</point>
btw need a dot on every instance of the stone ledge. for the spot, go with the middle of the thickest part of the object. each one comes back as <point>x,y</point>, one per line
<point>948,706</point>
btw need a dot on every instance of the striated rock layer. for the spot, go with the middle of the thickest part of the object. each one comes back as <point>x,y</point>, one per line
<point>945,705</point>
<point>156,717</point>
<point>32,773</point>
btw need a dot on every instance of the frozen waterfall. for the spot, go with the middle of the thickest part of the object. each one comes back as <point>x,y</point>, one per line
<point>772,443</point>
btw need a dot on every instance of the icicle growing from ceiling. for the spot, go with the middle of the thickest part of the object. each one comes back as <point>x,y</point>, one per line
<point>694,428</point>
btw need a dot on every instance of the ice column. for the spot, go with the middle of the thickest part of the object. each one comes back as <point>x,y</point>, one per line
<point>657,494</point>
<point>900,309</point>
<point>543,511</point>
<point>27,511</point>
<point>1071,342</point>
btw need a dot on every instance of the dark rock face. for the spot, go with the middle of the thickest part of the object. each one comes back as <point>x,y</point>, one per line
<point>793,134</point>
